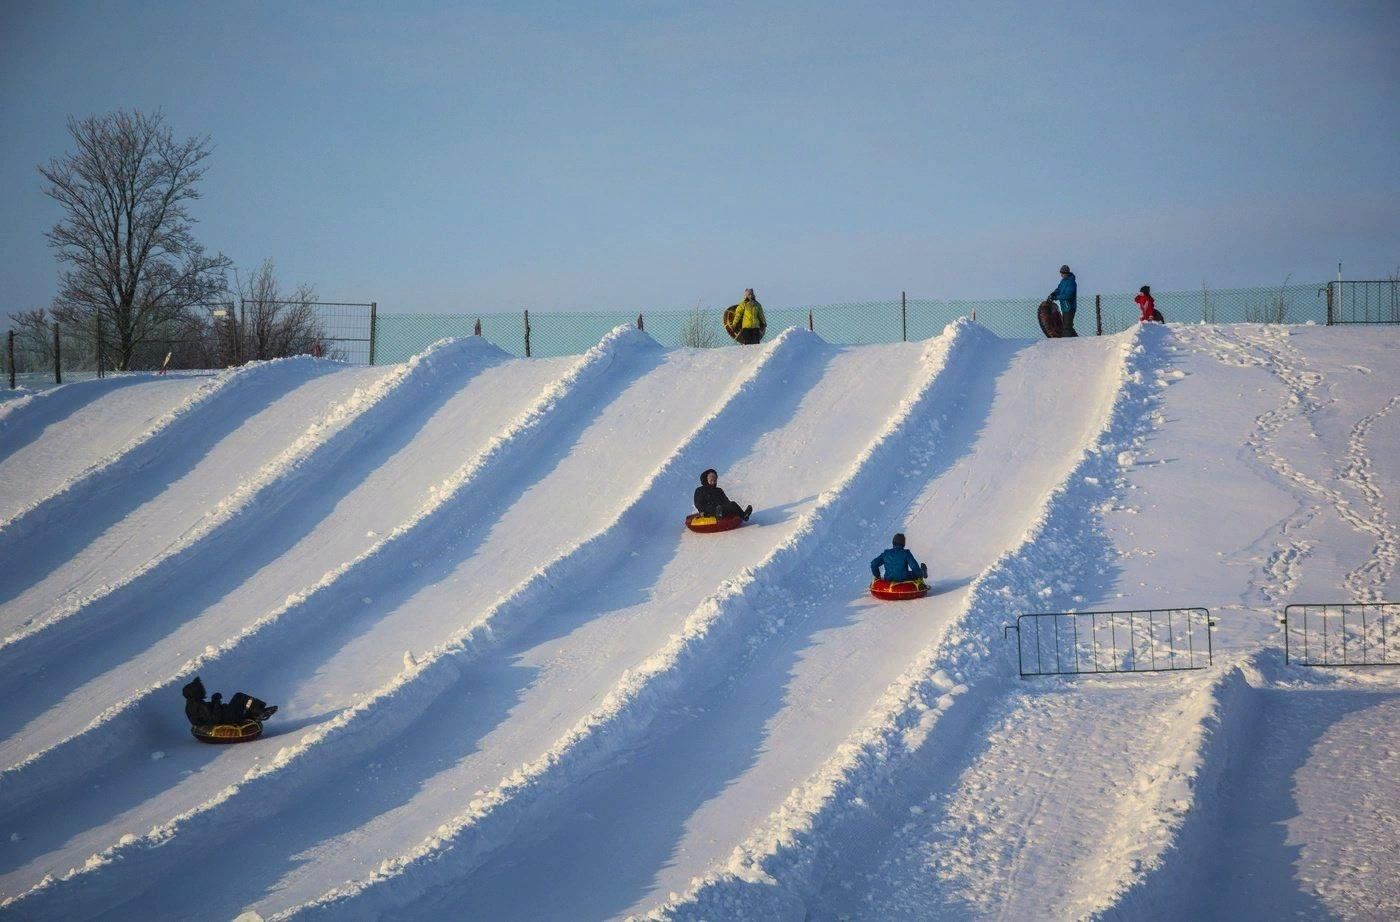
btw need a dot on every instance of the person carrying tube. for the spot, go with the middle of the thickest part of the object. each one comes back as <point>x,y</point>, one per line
<point>749,320</point>
<point>1066,294</point>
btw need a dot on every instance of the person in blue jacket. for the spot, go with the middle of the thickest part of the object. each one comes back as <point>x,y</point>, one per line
<point>899,564</point>
<point>1065,294</point>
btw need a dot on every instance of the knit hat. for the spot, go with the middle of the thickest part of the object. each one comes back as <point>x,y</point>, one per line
<point>1064,270</point>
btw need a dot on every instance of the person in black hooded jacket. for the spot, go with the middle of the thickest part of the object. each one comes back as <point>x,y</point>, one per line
<point>239,708</point>
<point>710,499</point>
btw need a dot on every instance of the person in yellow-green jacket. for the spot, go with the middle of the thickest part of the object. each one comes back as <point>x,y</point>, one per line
<point>749,322</point>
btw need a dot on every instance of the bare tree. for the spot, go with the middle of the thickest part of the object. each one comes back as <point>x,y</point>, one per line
<point>275,323</point>
<point>132,262</point>
<point>699,330</point>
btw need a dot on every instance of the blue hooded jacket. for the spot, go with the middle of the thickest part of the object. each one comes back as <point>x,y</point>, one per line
<point>899,565</point>
<point>1066,293</point>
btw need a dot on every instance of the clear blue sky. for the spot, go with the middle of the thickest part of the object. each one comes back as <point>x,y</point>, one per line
<point>631,155</point>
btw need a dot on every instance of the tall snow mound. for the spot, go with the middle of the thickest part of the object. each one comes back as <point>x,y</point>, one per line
<point>511,685</point>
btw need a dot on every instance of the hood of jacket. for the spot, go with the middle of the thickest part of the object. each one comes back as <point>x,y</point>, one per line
<point>194,691</point>
<point>705,473</point>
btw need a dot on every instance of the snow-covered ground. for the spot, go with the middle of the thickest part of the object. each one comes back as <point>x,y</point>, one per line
<point>512,686</point>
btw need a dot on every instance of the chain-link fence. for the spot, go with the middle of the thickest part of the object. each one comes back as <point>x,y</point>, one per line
<point>399,336</point>
<point>229,333</point>
<point>42,352</point>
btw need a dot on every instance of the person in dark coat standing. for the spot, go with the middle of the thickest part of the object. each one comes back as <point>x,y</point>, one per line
<point>899,565</point>
<point>1066,293</point>
<point>239,708</point>
<point>710,499</point>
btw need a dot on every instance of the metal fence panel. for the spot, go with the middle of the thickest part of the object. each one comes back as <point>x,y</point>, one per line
<point>1364,302</point>
<point>1094,642</point>
<point>1342,634</point>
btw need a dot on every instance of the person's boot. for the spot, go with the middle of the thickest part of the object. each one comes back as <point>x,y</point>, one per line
<point>748,511</point>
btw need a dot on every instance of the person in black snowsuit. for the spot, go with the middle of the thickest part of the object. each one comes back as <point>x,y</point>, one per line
<point>237,709</point>
<point>710,499</point>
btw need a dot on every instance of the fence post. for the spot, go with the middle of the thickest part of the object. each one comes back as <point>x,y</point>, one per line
<point>373,327</point>
<point>1098,313</point>
<point>11,350</point>
<point>476,330</point>
<point>639,322</point>
<point>810,325</point>
<point>1329,304</point>
<point>527,334</point>
<point>903,318</point>
<point>57,364</point>
<point>101,366</point>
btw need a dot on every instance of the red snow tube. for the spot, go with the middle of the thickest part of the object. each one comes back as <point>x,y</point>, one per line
<point>241,732</point>
<point>907,589</point>
<point>708,523</point>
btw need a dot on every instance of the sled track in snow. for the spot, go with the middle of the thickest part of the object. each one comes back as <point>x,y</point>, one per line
<point>326,442</point>
<point>393,707</point>
<point>775,873</point>
<point>463,842</point>
<point>141,450</point>
<point>920,747</point>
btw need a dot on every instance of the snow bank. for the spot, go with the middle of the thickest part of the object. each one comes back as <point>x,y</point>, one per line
<point>774,872</point>
<point>717,625</point>
<point>324,443</point>
<point>270,782</point>
<point>129,459</point>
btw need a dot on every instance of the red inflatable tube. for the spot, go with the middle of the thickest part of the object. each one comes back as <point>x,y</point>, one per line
<point>708,523</point>
<point>894,592</point>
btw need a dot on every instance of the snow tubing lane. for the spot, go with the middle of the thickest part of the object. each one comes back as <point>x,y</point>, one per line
<point>705,524</point>
<point>244,732</point>
<point>894,592</point>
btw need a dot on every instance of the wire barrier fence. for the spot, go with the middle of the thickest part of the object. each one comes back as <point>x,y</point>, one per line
<point>1094,642</point>
<point>400,336</point>
<point>221,334</point>
<point>1342,634</point>
<point>42,352</point>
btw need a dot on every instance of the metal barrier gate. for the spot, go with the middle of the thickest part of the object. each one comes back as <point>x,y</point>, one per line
<point>1342,634</point>
<point>1363,301</point>
<point>1090,642</point>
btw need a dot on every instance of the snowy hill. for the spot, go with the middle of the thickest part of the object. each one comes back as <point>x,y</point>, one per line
<point>512,686</point>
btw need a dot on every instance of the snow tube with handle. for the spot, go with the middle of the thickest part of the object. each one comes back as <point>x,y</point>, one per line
<point>241,732</point>
<point>894,592</point>
<point>731,321</point>
<point>708,523</point>
<point>1050,321</point>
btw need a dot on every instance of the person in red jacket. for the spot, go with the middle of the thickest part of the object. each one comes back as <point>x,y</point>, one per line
<point>1147,305</point>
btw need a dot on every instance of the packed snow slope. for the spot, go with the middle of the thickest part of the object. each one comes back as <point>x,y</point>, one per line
<point>512,686</point>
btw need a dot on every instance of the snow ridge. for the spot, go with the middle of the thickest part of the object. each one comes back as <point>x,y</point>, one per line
<point>559,399</point>
<point>326,440</point>
<point>46,768</point>
<point>641,691</point>
<point>776,870</point>
<point>140,450</point>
